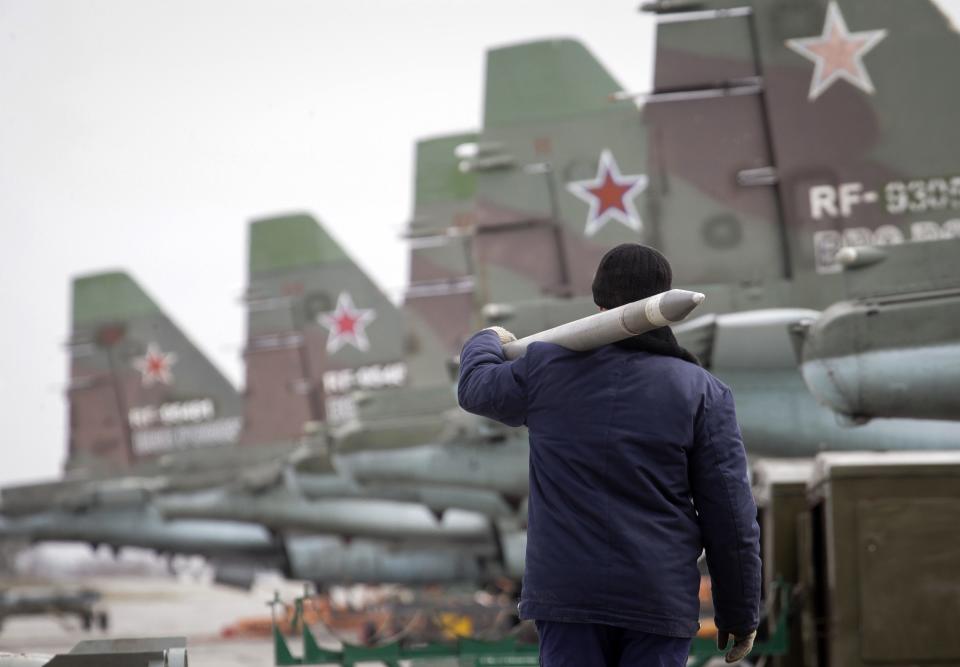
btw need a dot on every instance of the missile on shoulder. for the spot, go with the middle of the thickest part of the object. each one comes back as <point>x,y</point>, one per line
<point>616,324</point>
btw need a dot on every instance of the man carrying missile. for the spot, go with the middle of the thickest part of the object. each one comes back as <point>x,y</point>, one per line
<point>636,466</point>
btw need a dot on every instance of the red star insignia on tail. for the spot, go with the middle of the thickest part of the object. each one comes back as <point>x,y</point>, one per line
<point>610,195</point>
<point>154,366</point>
<point>347,324</point>
<point>837,53</point>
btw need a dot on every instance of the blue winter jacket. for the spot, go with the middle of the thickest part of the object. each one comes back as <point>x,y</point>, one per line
<point>636,465</point>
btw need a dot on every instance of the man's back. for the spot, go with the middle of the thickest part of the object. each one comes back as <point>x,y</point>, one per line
<point>620,443</point>
<point>612,531</point>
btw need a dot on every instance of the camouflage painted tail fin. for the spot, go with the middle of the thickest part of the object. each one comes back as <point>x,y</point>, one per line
<point>552,125</point>
<point>544,81</point>
<point>439,304</point>
<point>317,328</point>
<point>138,386</point>
<point>857,98</point>
<point>826,129</point>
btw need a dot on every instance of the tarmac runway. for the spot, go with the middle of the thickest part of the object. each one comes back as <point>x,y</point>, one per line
<point>152,606</point>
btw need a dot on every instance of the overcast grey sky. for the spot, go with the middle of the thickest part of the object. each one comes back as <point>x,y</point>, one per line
<point>144,134</point>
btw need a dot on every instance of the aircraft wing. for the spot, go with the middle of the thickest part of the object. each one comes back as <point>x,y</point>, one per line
<point>697,336</point>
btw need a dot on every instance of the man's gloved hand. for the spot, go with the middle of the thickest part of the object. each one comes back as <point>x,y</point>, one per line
<point>504,335</point>
<point>741,645</point>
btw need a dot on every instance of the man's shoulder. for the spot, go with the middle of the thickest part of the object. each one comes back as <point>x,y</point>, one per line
<point>550,355</point>
<point>690,374</point>
<point>483,336</point>
<point>544,350</point>
<point>481,342</point>
<point>692,370</point>
<point>692,377</point>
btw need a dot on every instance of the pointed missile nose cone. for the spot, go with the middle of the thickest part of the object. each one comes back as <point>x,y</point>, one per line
<point>678,303</point>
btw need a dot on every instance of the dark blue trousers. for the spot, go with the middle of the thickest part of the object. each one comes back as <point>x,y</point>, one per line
<point>596,645</point>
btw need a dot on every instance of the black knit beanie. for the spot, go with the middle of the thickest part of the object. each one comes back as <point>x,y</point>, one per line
<point>628,273</point>
<point>631,272</point>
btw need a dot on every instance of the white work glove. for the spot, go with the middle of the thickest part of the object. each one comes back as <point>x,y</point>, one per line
<point>504,335</point>
<point>741,645</point>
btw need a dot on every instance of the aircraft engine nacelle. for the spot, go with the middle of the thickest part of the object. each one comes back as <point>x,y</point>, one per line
<point>326,560</point>
<point>896,356</point>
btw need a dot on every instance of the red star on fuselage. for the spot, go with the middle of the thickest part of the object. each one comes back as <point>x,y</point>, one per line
<point>837,53</point>
<point>154,365</point>
<point>610,195</point>
<point>347,324</point>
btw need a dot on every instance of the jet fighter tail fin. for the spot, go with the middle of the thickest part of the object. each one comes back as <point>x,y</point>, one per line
<point>554,131</point>
<point>439,303</point>
<point>317,328</point>
<point>544,81</point>
<point>138,386</point>
<point>827,128</point>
